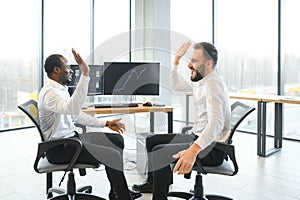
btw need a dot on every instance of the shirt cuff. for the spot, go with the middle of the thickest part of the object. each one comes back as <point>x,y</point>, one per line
<point>175,67</point>
<point>200,143</point>
<point>102,123</point>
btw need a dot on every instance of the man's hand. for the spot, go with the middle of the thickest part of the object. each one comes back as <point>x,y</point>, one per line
<point>181,51</point>
<point>186,159</point>
<point>83,66</point>
<point>116,125</point>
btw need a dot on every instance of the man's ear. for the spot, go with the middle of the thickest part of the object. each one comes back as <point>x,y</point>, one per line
<point>209,63</point>
<point>56,70</point>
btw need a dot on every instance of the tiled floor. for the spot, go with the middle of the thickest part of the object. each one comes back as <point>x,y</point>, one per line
<point>275,177</point>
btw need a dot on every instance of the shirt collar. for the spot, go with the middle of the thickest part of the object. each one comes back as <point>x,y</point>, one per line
<point>57,85</point>
<point>210,75</point>
<point>207,77</point>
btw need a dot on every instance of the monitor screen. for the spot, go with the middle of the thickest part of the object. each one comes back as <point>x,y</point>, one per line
<point>96,80</point>
<point>131,78</point>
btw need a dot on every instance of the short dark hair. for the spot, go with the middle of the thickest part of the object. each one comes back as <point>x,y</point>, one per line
<point>52,61</point>
<point>210,51</point>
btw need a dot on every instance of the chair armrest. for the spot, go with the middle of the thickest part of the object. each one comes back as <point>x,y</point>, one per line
<point>43,147</point>
<point>226,148</point>
<point>185,129</point>
<point>83,127</point>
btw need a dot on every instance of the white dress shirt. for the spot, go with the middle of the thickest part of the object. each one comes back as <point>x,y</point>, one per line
<point>57,108</point>
<point>212,122</point>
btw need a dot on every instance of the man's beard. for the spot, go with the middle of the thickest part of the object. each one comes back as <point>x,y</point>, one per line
<point>197,78</point>
<point>68,81</point>
<point>65,78</point>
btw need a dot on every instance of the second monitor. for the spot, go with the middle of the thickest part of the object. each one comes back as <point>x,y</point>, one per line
<point>131,78</point>
<point>96,79</point>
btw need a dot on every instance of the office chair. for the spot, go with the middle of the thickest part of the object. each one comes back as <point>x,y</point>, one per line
<point>42,165</point>
<point>239,111</point>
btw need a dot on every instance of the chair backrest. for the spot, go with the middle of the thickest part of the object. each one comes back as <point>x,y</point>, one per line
<point>30,108</point>
<point>239,111</point>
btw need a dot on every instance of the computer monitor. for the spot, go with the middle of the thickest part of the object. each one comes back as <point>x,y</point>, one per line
<point>96,79</point>
<point>131,78</point>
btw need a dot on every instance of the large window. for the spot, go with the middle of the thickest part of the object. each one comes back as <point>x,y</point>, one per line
<point>291,65</point>
<point>245,34</point>
<point>111,31</point>
<point>190,20</point>
<point>18,59</point>
<point>67,26</point>
<point>246,37</point>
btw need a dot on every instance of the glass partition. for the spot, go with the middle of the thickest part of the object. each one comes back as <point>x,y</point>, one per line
<point>66,26</point>
<point>291,66</point>
<point>18,59</point>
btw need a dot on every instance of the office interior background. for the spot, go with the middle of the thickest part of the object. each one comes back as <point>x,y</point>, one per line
<point>258,43</point>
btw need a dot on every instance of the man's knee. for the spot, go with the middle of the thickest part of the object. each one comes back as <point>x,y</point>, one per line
<point>152,141</point>
<point>118,140</point>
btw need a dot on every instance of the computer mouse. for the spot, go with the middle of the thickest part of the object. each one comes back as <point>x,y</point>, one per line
<point>147,103</point>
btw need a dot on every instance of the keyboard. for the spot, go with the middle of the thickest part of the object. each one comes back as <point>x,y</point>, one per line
<point>115,105</point>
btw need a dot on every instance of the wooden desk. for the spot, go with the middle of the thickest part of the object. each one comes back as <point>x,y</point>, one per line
<point>278,100</point>
<point>262,101</point>
<point>139,109</point>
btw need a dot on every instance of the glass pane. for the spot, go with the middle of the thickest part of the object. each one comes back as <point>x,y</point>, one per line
<point>291,65</point>
<point>18,59</point>
<point>247,44</point>
<point>190,20</point>
<point>111,36</point>
<point>67,26</point>
<point>111,31</point>
<point>246,38</point>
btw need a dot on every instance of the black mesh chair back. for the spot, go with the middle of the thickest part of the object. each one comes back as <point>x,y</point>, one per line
<point>31,110</point>
<point>239,111</point>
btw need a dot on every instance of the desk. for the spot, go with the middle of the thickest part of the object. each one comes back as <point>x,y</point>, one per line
<point>262,122</point>
<point>139,109</point>
<point>262,101</point>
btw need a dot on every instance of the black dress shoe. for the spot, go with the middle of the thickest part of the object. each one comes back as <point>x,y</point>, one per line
<point>113,195</point>
<point>135,194</point>
<point>146,187</point>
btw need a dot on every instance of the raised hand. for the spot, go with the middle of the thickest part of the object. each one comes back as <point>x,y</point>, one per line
<point>83,66</point>
<point>181,51</point>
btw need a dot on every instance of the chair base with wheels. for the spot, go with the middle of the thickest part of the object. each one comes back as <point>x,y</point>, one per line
<point>71,193</point>
<point>197,192</point>
<point>87,189</point>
